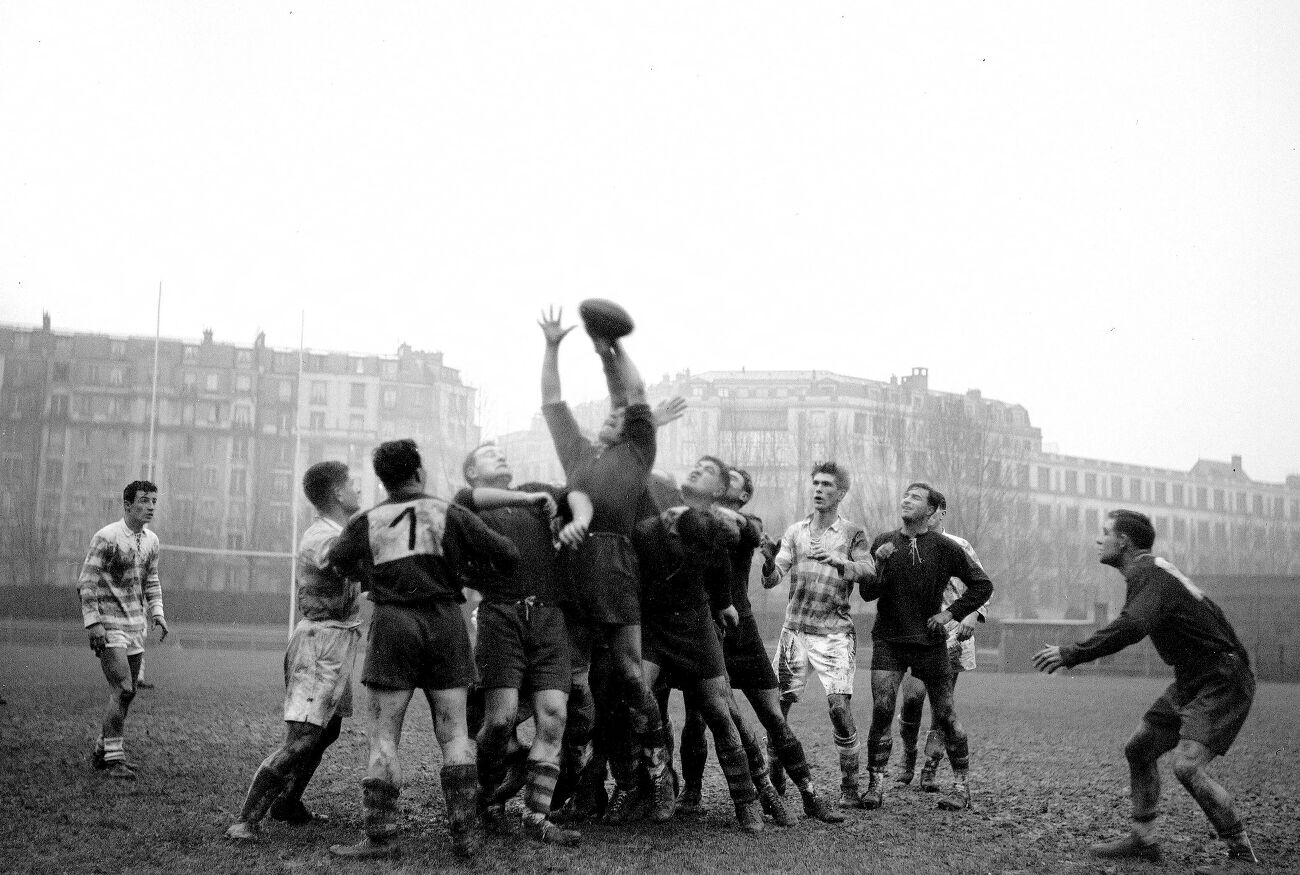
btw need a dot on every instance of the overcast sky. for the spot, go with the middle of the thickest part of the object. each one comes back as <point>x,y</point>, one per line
<point>1090,209</point>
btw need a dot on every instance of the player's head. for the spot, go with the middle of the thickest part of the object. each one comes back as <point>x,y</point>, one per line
<point>139,499</point>
<point>940,512</point>
<point>328,485</point>
<point>398,465</point>
<point>920,501</point>
<point>709,479</point>
<point>1125,533</point>
<point>695,528</point>
<point>611,430</point>
<point>830,483</point>
<point>487,463</point>
<point>740,488</point>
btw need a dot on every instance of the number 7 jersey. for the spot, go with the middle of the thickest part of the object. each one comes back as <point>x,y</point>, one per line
<point>409,549</point>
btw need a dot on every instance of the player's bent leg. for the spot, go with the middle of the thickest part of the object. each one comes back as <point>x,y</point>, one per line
<point>1144,748</point>
<point>790,754</point>
<point>501,704</point>
<point>274,777</point>
<point>308,745</point>
<point>544,769</point>
<point>712,697</point>
<point>1191,760</point>
<point>385,713</point>
<point>759,769</point>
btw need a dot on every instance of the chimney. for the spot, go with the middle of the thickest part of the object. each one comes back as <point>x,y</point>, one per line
<point>45,320</point>
<point>1236,464</point>
<point>207,336</point>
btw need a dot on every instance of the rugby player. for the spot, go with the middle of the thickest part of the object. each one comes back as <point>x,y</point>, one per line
<point>411,547</point>
<point>522,640</point>
<point>961,657</point>
<point>1198,716</point>
<point>822,556</point>
<point>120,595</point>
<point>914,567</point>
<point>318,663</point>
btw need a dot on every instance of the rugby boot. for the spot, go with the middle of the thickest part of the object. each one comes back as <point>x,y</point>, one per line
<point>874,796</point>
<point>121,771</point>
<point>774,805</point>
<point>850,796</point>
<point>624,805</point>
<point>750,816</point>
<point>460,789</point>
<point>496,821</point>
<point>815,807</point>
<point>958,798</point>
<point>539,828</point>
<point>1127,845</point>
<point>368,849</point>
<point>262,793</point>
<point>1237,863</point>
<point>908,771</point>
<point>589,799</point>
<point>663,801</point>
<point>294,813</point>
<point>930,776</point>
<point>691,801</point>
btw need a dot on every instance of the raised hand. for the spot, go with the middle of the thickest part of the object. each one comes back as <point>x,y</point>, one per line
<point>669,411</point>
<point>550,325</point>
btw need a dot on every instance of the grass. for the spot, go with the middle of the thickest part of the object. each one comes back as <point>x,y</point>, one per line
<point>1048,778</point>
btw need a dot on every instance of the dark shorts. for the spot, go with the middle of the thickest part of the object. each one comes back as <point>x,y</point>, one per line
<point>684,643</point>
<point>421,647</point>
<point>606,580</point>
<point>928,662</point>
<point>1213,709</point>
<point>522,647</point>
<point>749,666</point>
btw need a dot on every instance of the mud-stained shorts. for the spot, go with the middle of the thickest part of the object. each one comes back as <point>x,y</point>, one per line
<point>833,656</point>
<point>685,644</point>
<point>748,665</point>
<point>318,672</point>
<point>522,647</point>
<point>424,647</point>
<point>1211,711</point>
<point>931,663</point>
<point>131,640</point>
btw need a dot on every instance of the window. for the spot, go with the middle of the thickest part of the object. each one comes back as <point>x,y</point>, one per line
<point>318,390</point>
<point>116,377</point>
<point>60,372</point>
<point>357,422</point>
<point>81,405</point>
<point>234,540</point>
<point>1072,518</point>
<point>1092,521</point>
<point>243,415</point>
<point>82,471</point>
<point>212,382</point>
<point>1116,487</point>
<point>1178,494</point>
<point>1044,479</point>
<point>390,369</point>
<point>1044,515</point>
<point>243,382</point>
<point>209,477</point>
<point>358,366</point>
<point>1201,497</point>
<point>1072,481</point>
<point>1257,505</point>
<point>59,406</point>
<point>280,484</point>
<point>1180,529</point>
<point>239,445</point>
<point>317,421</point>
<point>191,354</point>
<point>118,349</point>
<point>1218,499</point>
<point>1203,533</point>
<point>1221,534</point>
<point>1161,524</point>
<point>861,423</point>
<point>238,481</point>
<point>285,389</point>
<point>1135,489</point>
<point>389,399</point>
<point>1089,484</point>
<point>358,395</point>
<point>1159,496</point>
<point>189,379</point>
<point>243,357</point>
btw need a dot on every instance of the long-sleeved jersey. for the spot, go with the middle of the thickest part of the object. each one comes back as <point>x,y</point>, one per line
<point>910,585</point>
<point>119,583</point>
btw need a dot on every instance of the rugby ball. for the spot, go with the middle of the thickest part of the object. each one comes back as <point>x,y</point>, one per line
<point>604,319</point>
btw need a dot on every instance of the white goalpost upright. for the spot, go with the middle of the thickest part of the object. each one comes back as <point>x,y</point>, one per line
<point>297,479</point>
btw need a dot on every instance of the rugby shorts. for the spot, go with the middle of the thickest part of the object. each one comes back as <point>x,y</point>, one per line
<point>928,662</point>
<point>423,646</point>
<point>833,656</point>
<point>523,647</point>
<point>748,665</point>
<point>684,643</point>
<point>318,672</point>
<point>1211,709</point>
<point>132,640</point>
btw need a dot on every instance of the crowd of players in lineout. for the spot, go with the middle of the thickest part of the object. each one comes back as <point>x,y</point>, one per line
<point>600,596</point>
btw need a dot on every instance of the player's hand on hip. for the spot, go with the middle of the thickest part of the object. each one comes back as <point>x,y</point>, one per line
<point>939,621</point>
<point>1049,659</point>
<point>573,534</point>
<point>160,624</point>
<point>98,638</point>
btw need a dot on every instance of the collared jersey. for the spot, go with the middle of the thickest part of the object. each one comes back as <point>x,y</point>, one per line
<point>910,585</point>
<point>819,594</point>
<point>1189,631</point>
<point>538,571</point>
<point>411,548</point>
<point>614,478</point>
<point>119,582</point>
<point>325,595</point>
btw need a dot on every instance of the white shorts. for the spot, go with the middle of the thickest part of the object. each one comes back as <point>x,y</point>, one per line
<point>833,656</point>
<point>131,639</point>
<point>318,672</point>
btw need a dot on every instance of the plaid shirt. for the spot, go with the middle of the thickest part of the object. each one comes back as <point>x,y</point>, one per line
<point>324,595</point>
<point>119,577</point>
<point>819,593</point>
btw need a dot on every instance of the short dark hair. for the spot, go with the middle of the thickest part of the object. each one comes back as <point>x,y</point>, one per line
<point>129,494</point>
<point>724,471</point>
<point>933,497</point>
<point>470,462</point>
<point>396,462</point>
<point>746,483</point>
<point>1134,526</point>
<point>839,472</point>
<point>321,480</point>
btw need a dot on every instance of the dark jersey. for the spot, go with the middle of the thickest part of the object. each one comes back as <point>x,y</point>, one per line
<point>1188,630</point>
<point>910,585</point>
<point>742,559</point>
<point>410,548</point>
<point>615,478</point>
<point>537,572</point>
<point>683,559</point>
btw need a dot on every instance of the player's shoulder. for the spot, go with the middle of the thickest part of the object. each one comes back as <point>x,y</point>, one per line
<point>958,540</point>
<point>110,532</point>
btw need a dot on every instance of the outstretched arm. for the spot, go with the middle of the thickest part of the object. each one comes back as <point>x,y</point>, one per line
<point>554,333</point>
<point>621,376</point>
